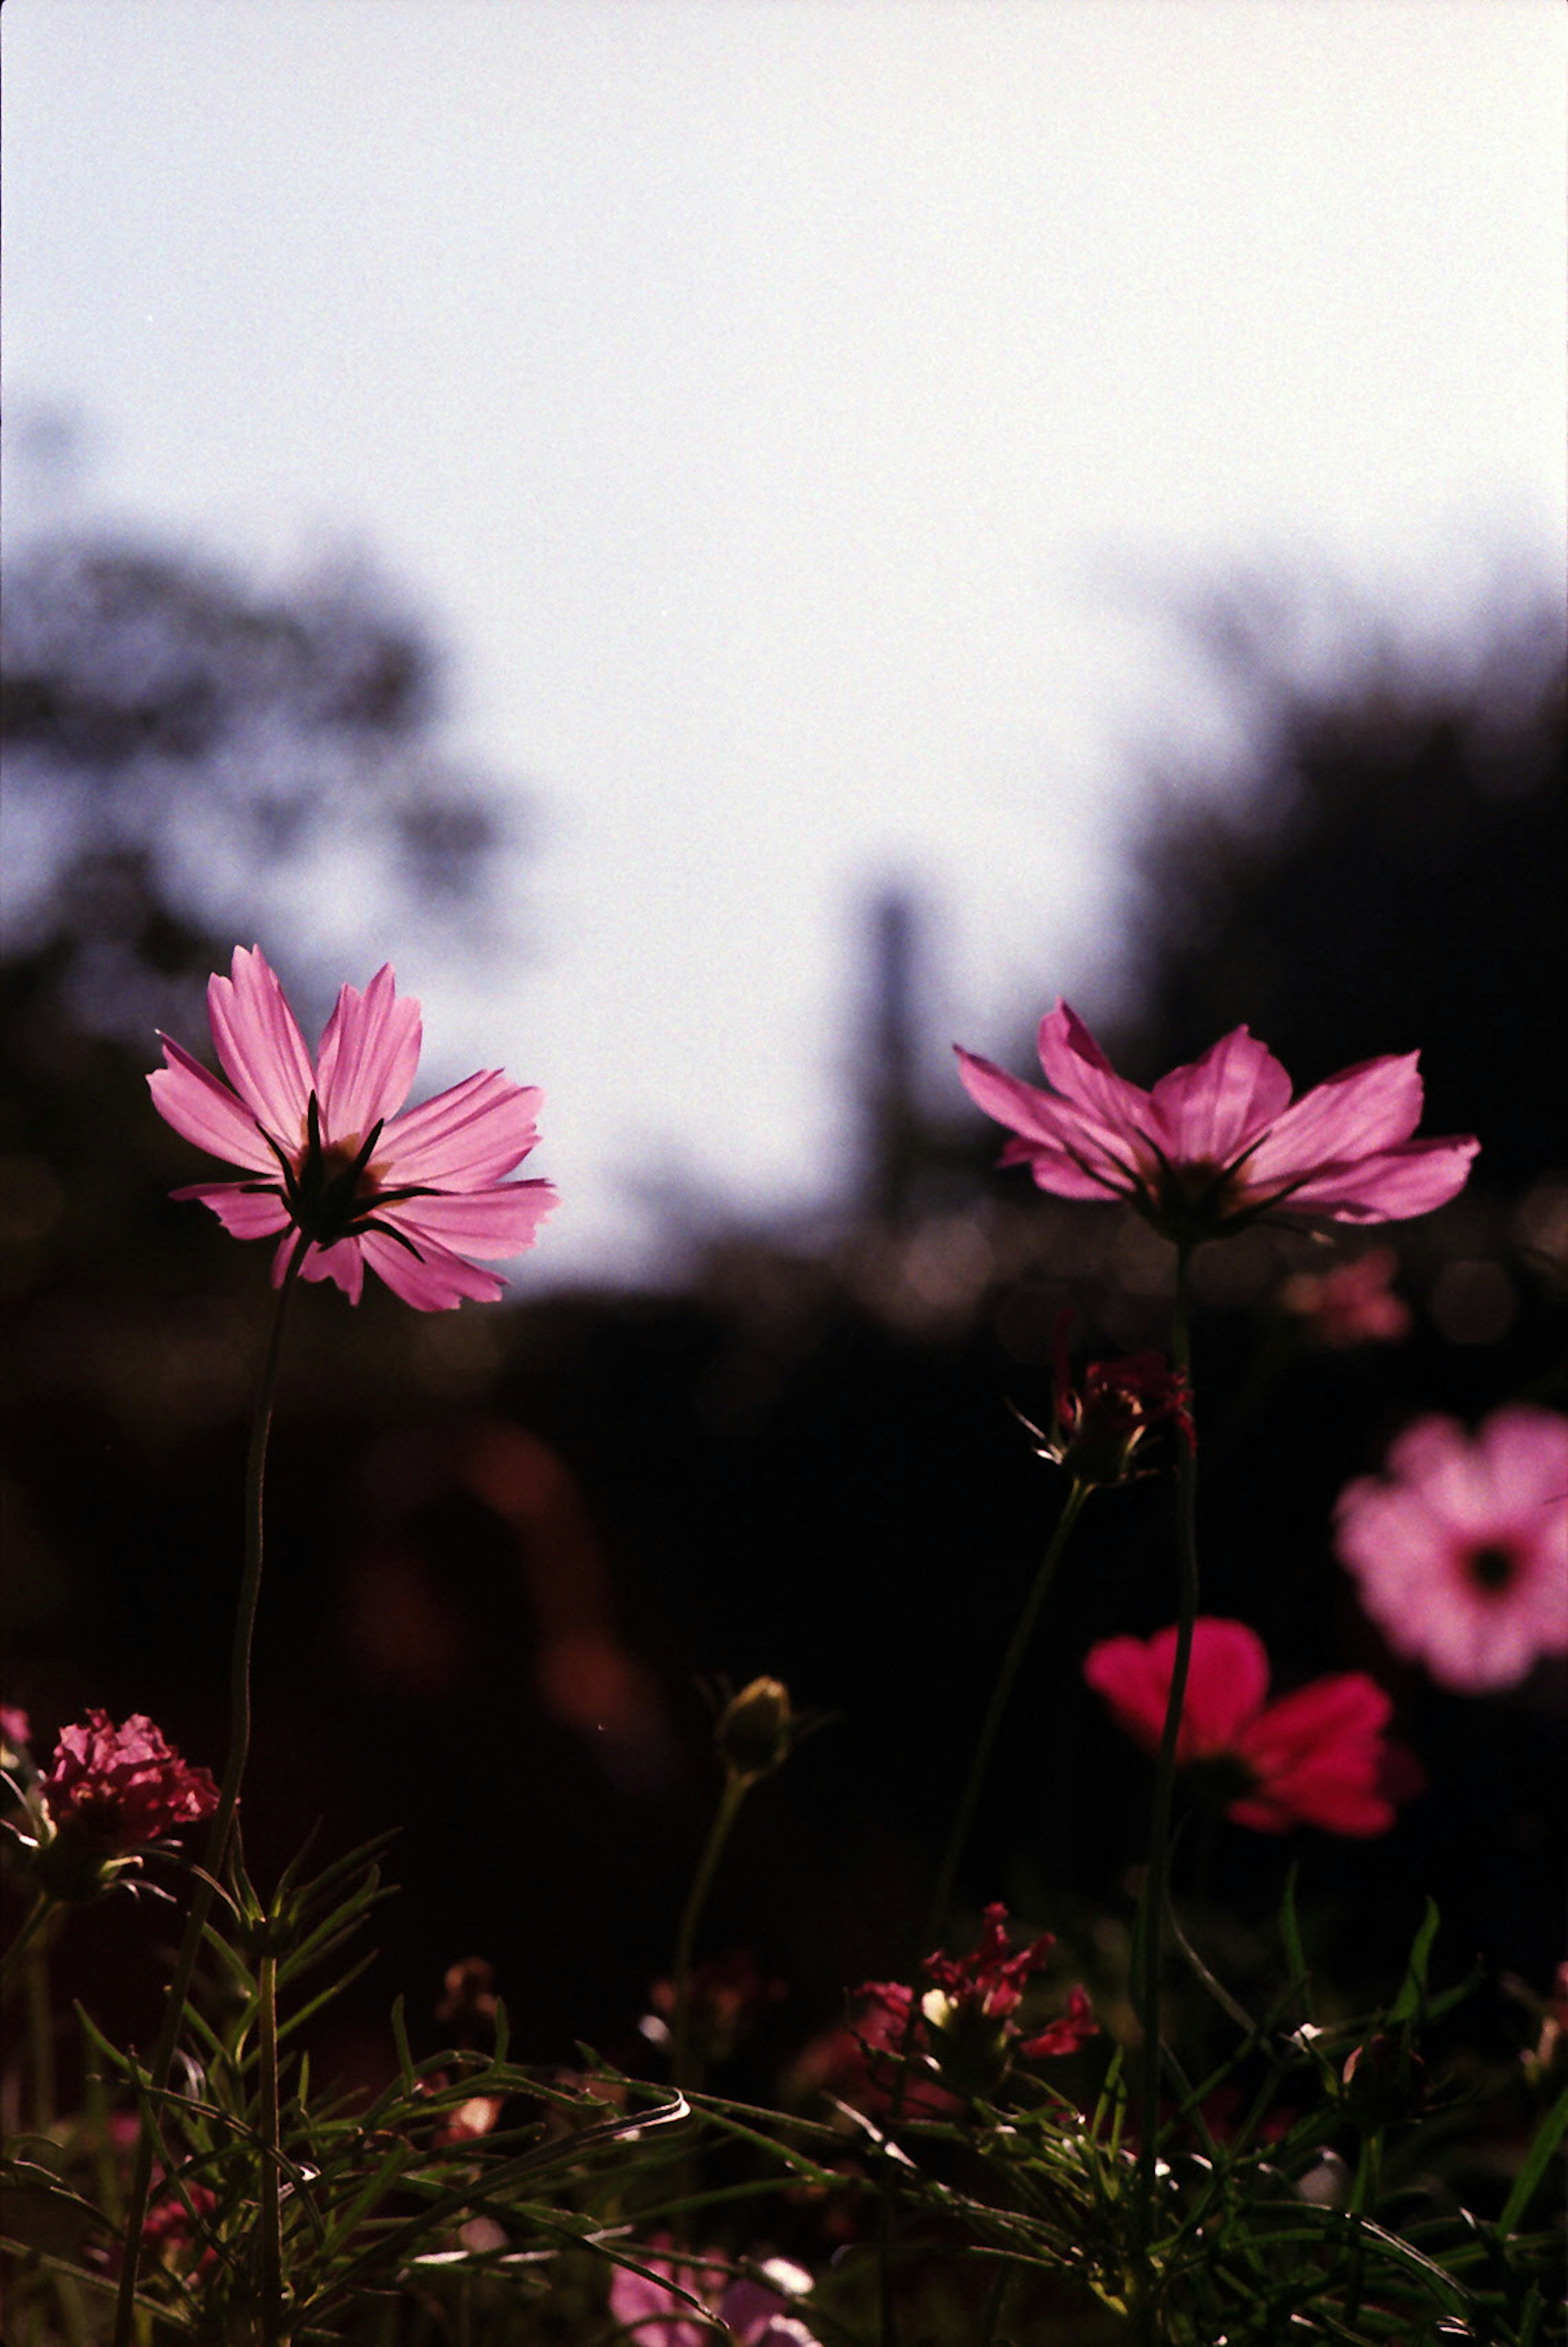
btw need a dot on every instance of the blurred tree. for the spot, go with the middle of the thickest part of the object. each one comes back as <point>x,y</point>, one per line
<point>188,755</point>
<point>1386,873</point>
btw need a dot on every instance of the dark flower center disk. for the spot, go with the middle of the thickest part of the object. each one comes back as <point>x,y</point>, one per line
<point>1492,1567</point>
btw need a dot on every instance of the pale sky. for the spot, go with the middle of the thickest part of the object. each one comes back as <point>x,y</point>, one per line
<point>792,413</point>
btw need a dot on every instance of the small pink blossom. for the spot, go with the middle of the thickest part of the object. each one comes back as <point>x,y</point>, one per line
<point>329,1149</point>
<point>1351,1304</point>
<point>1101,1425</point>
<point>1459,1548</point>
<point>966,2034</point>
<point>1219,1144</point>
<point>113,1790</point>
<point>15,1735</point>
<point>1316,1758</point>
<point>751,2314</point>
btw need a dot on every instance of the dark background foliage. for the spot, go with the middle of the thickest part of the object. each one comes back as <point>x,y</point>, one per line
<point>508,1546</point>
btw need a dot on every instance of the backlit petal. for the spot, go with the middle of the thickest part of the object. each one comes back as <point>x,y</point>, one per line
<point>370,1049</point>
<point>200,1109</point>
<point>433,1281</point>
<point>1209,1112</point>
<point>1081,1072</point>
<point>260,1046</point>
<point>497,1222</point>
<point>466,1137</point>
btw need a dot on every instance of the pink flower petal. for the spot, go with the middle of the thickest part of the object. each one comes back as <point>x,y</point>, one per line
<point>1228,1681</point>
<point>260,1046</point>
<point>1082,1073</point>
<point>1209,1112</point>
<point>1361,1111</point>
<point>1391,1186</point>
<point>432,1281</point>
<point>370,1050</point>
<point>205,1112</point>
<point>466,1137</point>
<point>494,1222</point>
<point>244,1214</point>
<point>1072,1155</point>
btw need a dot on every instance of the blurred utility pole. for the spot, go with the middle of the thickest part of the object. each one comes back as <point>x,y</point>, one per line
<point>894,1128</point>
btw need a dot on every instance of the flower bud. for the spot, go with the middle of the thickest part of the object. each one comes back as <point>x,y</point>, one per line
<point>756,1729</point>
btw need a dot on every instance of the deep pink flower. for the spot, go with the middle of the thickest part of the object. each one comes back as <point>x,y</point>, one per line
<point>1350,1304</point>
<point>1316,1758</point>
<point>966,2034</point>
<point>115,1789</point>
<point>1459,1548</point>
<point>754,2313</point>
<point>1102,1424</point>
<point>1216,1145</point>
<point>330,1151</point>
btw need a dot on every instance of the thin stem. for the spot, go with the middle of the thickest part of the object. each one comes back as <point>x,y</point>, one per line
<point>1024,1630</point>
<point>41,2027</point>
<point>957,1841</point>
<point>1156,1880</point>
<point>222,1826</point>
<point>15,1957</point>
<point>271,2129</point>
<point>736,1787</point>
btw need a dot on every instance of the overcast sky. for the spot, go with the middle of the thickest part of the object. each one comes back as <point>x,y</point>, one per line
<point>782,408</point>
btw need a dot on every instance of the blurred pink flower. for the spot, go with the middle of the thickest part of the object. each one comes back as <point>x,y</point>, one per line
<point>753,2313</point>
<point>15,1735</point>
<point>330,1151</point>
<point>1316,1758</point>
<point>1219,1144</point>
<point>1459,1548</point>
<point>115,1789</point>
<point>1350,1304</point>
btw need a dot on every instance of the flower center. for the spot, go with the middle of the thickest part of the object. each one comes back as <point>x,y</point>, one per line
<point>330,1188</point>
<point>1492,1568</point>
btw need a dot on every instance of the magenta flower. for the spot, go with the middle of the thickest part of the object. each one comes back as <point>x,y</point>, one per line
<point>1459,1548</point>
<point>1316,1758</point>
<point>116,1790</point>
<point>330,1151</point>
<point>1101,1427</point>
<point>965,2035</point>
<point>752,2313</point>
<point>1215,1145</point>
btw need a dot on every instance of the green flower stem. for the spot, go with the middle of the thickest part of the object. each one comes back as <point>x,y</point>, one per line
<point>1156,1880</point>
<point>223,1818</point>
<point>41,2020</point>
<point>271,2228</point>
<point>17,1954</point>
<point>1000,1694</point>
<point>957,1841</point>
<point>736,1788</point>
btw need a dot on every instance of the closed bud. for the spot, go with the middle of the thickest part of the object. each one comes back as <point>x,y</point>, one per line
<point>756,1729</point>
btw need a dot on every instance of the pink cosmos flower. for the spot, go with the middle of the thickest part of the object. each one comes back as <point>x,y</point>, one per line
<point>115,1789</point>
<point>329,1150</point>
<point>752,2313</point>
<point>1316,1758</point>
<point>1219,1144</point>
<point>1350,1304</point>
<point>1459,1548</point>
